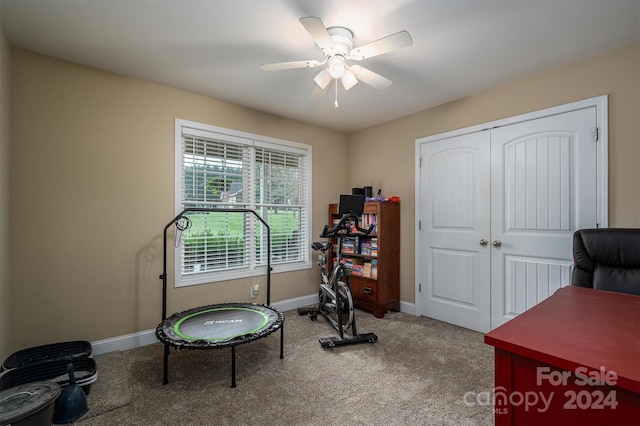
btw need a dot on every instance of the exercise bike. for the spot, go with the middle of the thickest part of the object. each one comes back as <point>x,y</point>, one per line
<point>335,300</point>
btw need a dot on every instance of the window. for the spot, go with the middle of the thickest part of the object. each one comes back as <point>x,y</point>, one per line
<point>225,169</point>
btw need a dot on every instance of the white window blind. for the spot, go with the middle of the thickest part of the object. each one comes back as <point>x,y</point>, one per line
<point>219,168</point>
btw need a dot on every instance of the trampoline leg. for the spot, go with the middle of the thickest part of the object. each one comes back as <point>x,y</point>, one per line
<point>282,341</point>
<point>165,378</point>
<point>233,366</point>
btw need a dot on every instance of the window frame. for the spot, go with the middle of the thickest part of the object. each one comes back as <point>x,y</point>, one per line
<point>252,140</point>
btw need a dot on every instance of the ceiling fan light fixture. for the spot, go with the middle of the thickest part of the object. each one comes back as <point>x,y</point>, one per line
<point>348,80</point>
<point>336,66</point>
<point>322,79</point>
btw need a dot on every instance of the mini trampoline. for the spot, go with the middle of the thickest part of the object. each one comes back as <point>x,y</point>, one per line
<point>221,325</point>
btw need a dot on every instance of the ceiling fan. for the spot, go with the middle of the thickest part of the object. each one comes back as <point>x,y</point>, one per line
<point>336,44</point>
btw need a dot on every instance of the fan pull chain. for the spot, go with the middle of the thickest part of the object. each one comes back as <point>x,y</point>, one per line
<point>335,105</point>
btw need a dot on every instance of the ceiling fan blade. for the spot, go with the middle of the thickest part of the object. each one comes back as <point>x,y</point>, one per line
<point>369,77</point>
<point>318,32</point>
<point>386,44</point>
<point>290,65</point>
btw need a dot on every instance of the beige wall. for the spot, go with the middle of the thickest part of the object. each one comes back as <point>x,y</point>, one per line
<point>92,183</point>
<point>93,187</point>
<point>390,147</point>
<point>5,81</point>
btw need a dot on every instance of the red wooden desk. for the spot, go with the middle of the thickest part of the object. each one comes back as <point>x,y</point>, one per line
<point>573,359</point>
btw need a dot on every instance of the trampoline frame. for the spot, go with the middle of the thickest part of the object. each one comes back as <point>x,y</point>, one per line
<point>200,344</point>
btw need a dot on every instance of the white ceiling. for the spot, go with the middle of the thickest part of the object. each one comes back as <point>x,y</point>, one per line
<point>215,47</point>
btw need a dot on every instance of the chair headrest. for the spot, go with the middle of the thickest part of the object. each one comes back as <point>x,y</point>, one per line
<point>607,259</point>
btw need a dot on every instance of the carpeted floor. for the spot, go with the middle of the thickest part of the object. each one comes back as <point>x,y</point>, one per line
<point>113,387</point>
<point>417,373</point>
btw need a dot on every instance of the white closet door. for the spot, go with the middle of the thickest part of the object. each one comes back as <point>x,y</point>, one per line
<point>454,267</point>
<point>524,188</point>
<point>543,188</point>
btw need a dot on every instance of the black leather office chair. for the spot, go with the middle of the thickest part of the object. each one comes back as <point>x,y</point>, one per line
<point>607,259</point>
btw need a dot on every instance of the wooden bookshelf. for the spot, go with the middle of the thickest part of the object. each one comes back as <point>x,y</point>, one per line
<point>374,260</point>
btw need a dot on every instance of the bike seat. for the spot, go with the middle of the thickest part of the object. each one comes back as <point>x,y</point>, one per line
<point>321,245</point>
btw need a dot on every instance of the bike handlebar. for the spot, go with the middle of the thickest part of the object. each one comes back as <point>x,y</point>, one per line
<point>343,230</point>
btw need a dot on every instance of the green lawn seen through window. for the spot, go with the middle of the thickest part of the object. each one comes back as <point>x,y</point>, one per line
<point>222,234</point>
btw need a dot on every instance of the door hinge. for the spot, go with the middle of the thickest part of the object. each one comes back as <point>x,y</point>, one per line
<point>597,134</point>
<point>420,162</point>
<point>419,287</point>
<point>419,225</point>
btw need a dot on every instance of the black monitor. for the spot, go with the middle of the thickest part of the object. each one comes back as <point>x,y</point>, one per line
<point>351,204</point>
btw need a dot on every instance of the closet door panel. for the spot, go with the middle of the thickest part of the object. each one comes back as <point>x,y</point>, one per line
<point>543,188</point>
<point>454,194</point>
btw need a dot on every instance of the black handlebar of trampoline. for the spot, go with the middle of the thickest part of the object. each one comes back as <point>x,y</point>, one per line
<point>180,216</point>
<point>344,229</point>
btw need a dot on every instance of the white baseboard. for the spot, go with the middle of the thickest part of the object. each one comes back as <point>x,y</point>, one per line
<point>408,307</point>
<point>123,343</point>
<point>295,303</point>
<point>148,337</point>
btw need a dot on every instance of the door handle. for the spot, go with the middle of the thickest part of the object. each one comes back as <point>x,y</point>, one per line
<point>483,242</point>
<point>496,243</point>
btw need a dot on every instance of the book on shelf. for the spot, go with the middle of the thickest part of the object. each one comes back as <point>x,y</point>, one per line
<point>357,270</point>
<point>365,246</point>
<point>366,270</point>
<point>368,219</point>
<point>349,245</point>
<point>355,266</point>
<point>348,263</point>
